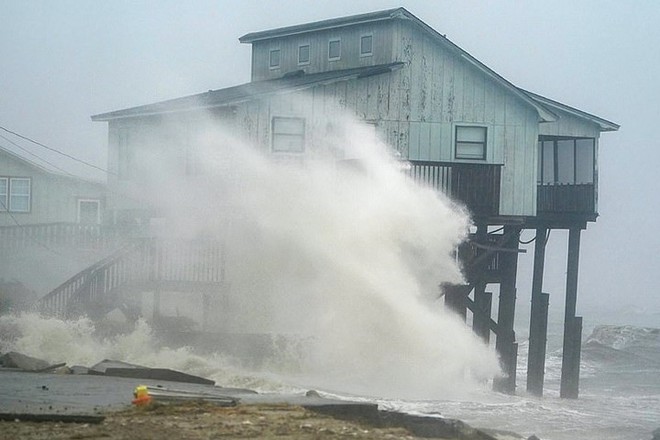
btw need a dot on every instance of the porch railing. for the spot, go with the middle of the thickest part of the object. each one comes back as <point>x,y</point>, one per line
<point>477,186</point>
<point>56,234</point>
<point>566,199</point>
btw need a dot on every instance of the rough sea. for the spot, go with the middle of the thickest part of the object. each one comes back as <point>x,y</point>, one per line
<point>619,382</point>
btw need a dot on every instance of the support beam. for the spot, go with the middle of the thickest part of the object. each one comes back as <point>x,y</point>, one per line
<point>482,299</point>
<point>455,298</point>
<point>570,365</point>
<point>506,338</point>
<point>537,334</point>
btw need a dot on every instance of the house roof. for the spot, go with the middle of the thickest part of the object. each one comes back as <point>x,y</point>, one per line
<point>603,124</point>
<point>43,168</point>
<point>332,23</point>
<point>400,14</point>
<point>232,95</point>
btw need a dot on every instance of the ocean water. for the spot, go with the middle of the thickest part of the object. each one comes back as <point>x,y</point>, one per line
<point>619,392</point>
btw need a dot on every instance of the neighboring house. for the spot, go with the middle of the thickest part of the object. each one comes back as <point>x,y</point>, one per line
<point>31,194</point>
<point>514,158</point>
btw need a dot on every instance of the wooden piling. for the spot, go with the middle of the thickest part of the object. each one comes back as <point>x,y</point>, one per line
<point>537,332</point>
<point>506,338</point>
<point>570,365</point>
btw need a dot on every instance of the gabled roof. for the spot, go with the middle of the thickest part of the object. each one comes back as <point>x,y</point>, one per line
<point>234,95</point>
<point>400,14</point>
<point>46,168</point>
<point>603,124</point>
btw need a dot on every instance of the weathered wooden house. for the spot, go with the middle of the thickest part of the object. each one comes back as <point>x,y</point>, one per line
<point>516,159</point>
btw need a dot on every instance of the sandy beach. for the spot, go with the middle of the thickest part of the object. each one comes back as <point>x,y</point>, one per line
<point>204,421</point>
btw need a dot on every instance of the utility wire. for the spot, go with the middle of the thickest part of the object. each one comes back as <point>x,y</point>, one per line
<point>35,155</point>
<point>57,151</point>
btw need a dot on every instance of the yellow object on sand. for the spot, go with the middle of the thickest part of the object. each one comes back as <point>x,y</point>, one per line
<point>141,395</point>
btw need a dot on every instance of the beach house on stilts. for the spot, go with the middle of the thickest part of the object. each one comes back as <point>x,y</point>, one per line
<point>517,160</point>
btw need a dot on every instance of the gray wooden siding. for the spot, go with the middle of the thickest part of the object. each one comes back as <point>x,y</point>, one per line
<point>53,198</point>
<point>318,41</point>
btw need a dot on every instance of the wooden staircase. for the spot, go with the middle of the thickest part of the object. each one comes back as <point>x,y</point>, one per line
<point>145,265</point>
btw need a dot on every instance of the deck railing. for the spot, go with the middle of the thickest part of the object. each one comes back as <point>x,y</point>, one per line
<point>477,186</point>
<point>56,234</point>
<point>566,199</point>
<point>147,264</point>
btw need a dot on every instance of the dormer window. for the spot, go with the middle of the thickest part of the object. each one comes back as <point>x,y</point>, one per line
<point>366,45</point>
<point>334,49</point>
<point>274,61</point>
<point>303,54</point>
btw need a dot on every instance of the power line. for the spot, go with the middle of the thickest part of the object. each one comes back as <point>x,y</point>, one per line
<point>35,155</point>
<point>56,151</point>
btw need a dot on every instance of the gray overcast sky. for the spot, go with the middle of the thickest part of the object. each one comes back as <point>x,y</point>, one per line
<point>62,61</point>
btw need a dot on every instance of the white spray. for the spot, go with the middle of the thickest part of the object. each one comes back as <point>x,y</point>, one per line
<point>347,257</point>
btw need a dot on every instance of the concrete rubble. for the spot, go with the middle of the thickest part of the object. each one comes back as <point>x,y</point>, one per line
<point>81,395</point>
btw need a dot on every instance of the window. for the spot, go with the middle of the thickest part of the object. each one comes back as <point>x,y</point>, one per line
<point>193,156</point>
<point>470,142</point>
<point>274,61</point>
<point>4,193</point>
<point>15,194</point>
<point>89,212</point>
<point>288,135</point>
<point>334,49</point>
<point>566,161</point>
<point>366,45</point>
<point>124,155</point>
<point>303,54</point>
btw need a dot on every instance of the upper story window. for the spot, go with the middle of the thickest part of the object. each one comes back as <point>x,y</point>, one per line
<point>288,135</point>
<point>366,45</point>
<point>124,155</point>
<point>15,194</point>
<point>566,161</point>
<point>274,59</point>
<point>303,54</point>
<point>470,142</point>
<point>334,49</point>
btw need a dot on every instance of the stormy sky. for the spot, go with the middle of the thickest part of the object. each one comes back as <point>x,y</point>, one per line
<point>61,62</point>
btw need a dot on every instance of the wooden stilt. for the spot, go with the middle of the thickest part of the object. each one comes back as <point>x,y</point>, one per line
<point>537,332</point>
<point>482,299</point>
<point>455,298</point>
<point>570,366</point>
<point>506,337</point>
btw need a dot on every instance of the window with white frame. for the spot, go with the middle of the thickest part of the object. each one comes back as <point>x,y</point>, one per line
<point>303,54</point>
<point>334,49</point>
<point>470,142</point>
<point>274,59</point>
<point>366,45</point>
<point>288,134</point>
<point>15,194</point>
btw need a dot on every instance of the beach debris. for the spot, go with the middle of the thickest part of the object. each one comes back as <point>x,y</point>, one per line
<point>26,363</point>
<point>114,368</point>
<point>143,395</point>
<point>64,418</point>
